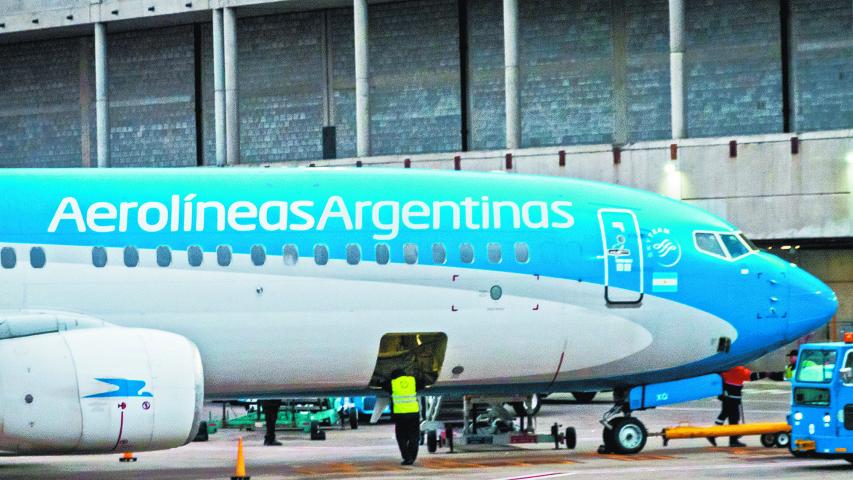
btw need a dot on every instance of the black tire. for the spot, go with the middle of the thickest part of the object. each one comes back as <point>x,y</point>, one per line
<point>315,431</point>
<point>202,435</point>
<point>432,441</point>
<point>353,419</point>
<point>584,397</point>
<point>783,440</point>
<point>571,438</point>
<point>768,440</point>
<point>796,453</point>
<point>627,437</point>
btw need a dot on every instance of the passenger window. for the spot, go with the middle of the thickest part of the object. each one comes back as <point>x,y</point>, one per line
<point>321,254</point>
<point>439,255</point>
<point>164,256</point>
<point>494,252</point>
<point>37,257</point>
<point>410,253</point>
<point>353,254</point>
<point>195,255</point>
<point>131,257</point>
<point>466,253</point>
<point>383,254</point>
<point>734,246</point>
<point>99,257</point>
<point>259,255</point>
<point>290,254</point>
<point>8,259</point>
<point>223,255</point>
<point>707,242</point>
<point>522,252</point>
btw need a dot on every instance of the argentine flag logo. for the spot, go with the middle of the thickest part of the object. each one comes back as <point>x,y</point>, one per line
<point>665,282</point>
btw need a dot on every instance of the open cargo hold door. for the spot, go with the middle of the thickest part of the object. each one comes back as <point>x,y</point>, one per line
<point>420,354</point>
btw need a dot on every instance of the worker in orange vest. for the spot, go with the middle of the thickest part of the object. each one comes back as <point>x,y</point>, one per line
<point>733,381</point>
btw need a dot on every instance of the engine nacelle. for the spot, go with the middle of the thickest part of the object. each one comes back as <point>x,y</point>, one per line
<point>99,390</point>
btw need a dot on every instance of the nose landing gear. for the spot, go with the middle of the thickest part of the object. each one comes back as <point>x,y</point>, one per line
<point>623,435</point>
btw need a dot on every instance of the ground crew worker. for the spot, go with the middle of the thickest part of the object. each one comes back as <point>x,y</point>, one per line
<point>405,411</point>
<point>270,409</point>
<point>732,389</point>
<point>792,365</point>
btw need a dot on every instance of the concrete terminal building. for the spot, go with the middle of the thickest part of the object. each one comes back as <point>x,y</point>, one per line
<point>742,107</point>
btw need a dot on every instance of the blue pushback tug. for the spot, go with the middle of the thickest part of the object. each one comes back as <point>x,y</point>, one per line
<point>821,415</point>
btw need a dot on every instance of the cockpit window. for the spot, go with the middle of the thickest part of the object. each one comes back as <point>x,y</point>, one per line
<point>707,242</point>
<point>816,366</point>
<point>748,242</point>
<point>733,245</point>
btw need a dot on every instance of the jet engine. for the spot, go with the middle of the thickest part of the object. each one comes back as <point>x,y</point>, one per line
<point>99,390</point>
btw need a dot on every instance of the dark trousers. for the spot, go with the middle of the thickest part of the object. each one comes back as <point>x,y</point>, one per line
<point>270,409</point>
<point>731,406</point>
<point>407,428</point>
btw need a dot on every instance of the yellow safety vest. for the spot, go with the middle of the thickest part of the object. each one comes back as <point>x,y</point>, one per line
<point>404,393</point>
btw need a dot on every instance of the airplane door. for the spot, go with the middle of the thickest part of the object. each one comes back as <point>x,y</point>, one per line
<point>623,256</point>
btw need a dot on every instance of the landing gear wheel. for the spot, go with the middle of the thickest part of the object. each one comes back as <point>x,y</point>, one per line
<point>628,436</point>
<point>316,433</point>
<point>584,397</point>
<point>533,405</point>
<point>432,441</point>
<point>353,419</point>
<point>571,438</point>
<point>783,440</point>
<point>768,440</point>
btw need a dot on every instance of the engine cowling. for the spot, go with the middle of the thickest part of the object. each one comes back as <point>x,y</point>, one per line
<point>99,390</point>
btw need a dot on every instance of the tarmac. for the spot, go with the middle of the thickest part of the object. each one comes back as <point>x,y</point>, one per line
<point>371,452</point>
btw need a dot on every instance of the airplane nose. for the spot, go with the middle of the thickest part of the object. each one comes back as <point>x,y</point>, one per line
<point>812,304</point>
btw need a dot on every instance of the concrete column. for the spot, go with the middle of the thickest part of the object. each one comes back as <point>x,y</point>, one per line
<point>619,39</point>
<point>676,68</point>
<point>513,114</point>
<point>362,79</point>
<point>87,94</point>
<point>790,66</point>
<point>102,97</point>
<point>232,113</point>
<point>219,89</point>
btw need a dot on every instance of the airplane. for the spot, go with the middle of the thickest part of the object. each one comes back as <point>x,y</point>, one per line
<point>130,296</point>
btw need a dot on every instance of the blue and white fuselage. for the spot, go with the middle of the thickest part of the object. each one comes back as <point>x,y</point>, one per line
<point>280,276</point>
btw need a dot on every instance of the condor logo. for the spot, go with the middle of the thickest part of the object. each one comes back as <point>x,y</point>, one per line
<point>124,388</point>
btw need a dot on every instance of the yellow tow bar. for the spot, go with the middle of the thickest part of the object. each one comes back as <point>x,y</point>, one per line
<point>687,431</point>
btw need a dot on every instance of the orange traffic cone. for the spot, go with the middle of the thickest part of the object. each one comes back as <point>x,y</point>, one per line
<point>127,457</point>
<point>240,470</point>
